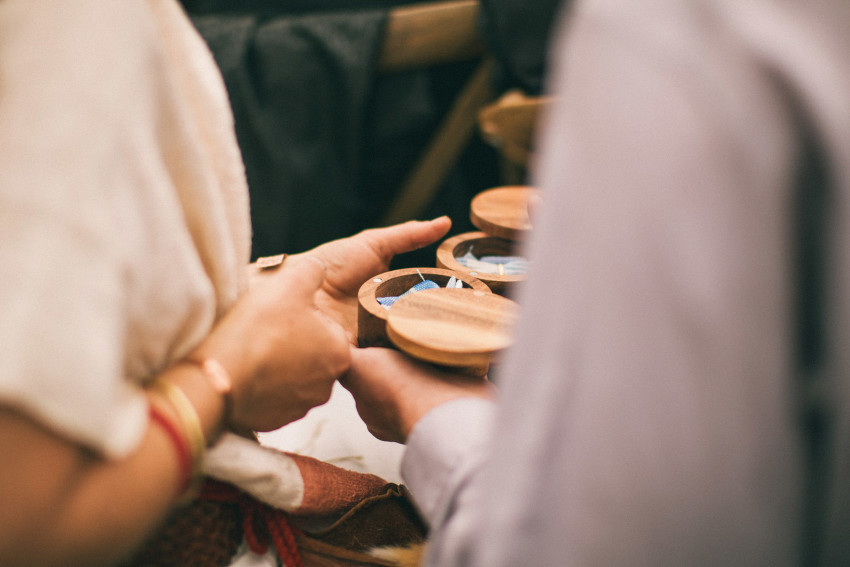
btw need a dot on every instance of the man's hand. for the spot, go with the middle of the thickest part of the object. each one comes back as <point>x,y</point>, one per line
<point>351,261</point>
<point>282,351</point>
<point>393,393</point>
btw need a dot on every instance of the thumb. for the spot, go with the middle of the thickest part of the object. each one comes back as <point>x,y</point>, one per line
<point>408,236</point>
<point>305,276</point>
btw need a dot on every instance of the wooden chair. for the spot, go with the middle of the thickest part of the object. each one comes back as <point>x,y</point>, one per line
<point>424,35</point>
<point>509,124</point>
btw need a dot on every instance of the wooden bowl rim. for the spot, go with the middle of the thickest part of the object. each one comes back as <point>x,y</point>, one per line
<point>446,257</point>
<point>367,296</point>
<point>510,198</point>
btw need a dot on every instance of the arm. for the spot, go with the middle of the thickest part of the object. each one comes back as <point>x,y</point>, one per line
<point>446,419</point>
<point>64,505</point>
<point>283,355</point>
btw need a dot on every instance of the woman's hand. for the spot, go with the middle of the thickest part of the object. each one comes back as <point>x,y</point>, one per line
<point>392,392</point>
<point>282,351</point>
<point>351,261</point>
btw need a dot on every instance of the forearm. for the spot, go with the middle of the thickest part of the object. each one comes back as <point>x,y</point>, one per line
<point>64,505</point>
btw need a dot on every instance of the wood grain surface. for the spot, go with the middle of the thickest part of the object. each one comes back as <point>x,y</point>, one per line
<point>503,211</point>
<point>372,317</point>
<point>452,327</point>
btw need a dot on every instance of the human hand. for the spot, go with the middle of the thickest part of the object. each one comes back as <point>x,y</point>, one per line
<point>392,392</point>
<point>351,261</point>
<point>282,351</point>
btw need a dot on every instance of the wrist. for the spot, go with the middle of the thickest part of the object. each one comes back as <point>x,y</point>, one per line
<point>173,411</point>
<point>208,394</point>
<point>413,406</point>
<point>220,382</point>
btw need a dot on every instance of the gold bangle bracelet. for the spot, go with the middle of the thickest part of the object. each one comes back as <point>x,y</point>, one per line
<point>191,422</point>
<point>218,378</point>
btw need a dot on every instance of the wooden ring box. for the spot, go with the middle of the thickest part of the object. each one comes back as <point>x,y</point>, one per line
<point>501,215</point>
<point>459,328</point>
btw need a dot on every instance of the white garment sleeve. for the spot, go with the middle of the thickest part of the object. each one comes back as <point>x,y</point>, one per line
<point>63,246</point>
<point>445,453</point>
<point>645,414</point>
<point>123,209</point>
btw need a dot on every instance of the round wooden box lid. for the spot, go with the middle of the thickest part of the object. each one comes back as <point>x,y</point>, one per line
<point>372,316</point>
<point>452,327</point>
<point>503,211</point>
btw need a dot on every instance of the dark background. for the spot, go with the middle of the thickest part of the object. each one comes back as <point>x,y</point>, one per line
<point>327,140</point>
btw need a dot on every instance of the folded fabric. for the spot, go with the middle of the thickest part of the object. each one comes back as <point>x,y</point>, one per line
<point>309,511</point>
<point>388,301</point>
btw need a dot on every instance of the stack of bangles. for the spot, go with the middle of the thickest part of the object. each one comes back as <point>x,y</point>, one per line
<point>187,435</point>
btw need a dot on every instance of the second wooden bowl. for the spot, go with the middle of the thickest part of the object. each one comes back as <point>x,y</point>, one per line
<point>481,244</point>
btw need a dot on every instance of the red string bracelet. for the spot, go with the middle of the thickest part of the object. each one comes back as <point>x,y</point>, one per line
<point>180,443</point>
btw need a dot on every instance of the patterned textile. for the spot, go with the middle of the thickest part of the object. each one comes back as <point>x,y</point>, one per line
<point>340,517</point>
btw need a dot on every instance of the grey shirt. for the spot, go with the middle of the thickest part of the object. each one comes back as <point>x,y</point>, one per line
<point>678,391</point>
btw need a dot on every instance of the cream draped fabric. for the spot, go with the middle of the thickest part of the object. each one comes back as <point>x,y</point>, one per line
<point>124,221</point>
<point>651,409</point>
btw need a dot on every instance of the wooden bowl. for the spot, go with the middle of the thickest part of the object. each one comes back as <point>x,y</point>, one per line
<point>503,211</point>
<point>372,316</point>
<point>482,244</point>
